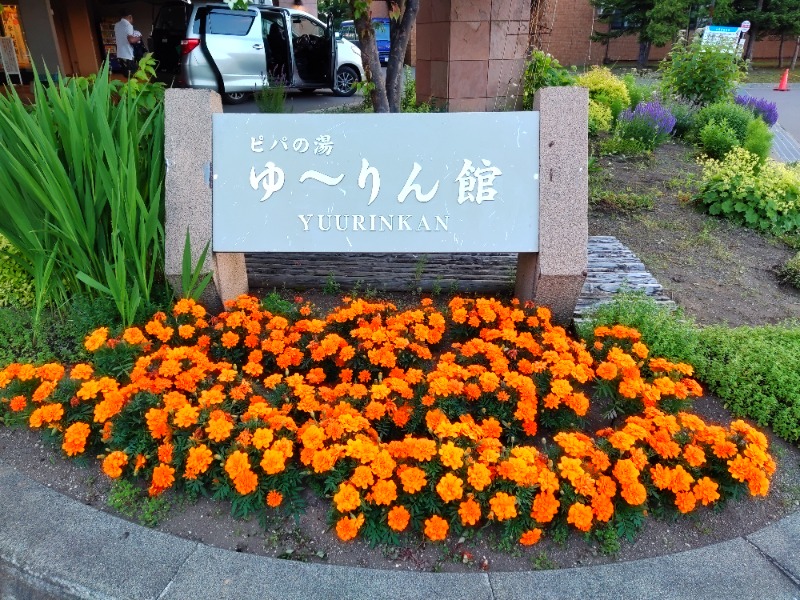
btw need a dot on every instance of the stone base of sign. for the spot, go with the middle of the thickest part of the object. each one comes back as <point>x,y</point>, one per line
<point>555,276</point>
<point>187,150</point>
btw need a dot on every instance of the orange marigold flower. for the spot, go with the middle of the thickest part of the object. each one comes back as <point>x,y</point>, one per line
<point>479,476</point>
<point>545,507</point>
<point>450,488</point>
<point>262,438</point>
<point>362,477</point>
<point>47,413</point>
<point>384,492</point>
<point>96,339</point>
<point>347,527</point>
<point>163,478</point>
<point>606,370</point>
<point>412,479</point>
<point>640,350</point>
<point>186,331</point>
<point>133,336</point>
<point>236,464</point>
<point>229,339</point>
<point>186,416</point>
<point>706,491</point>
<point>18,403</point>
<point>436,528</point>
<point>274,499</point>
<point>685,501</point>
<point>81,371</point>
<point>219,429</point>
<point>452,456</point>
<point>246,482</point>
<point>198,460</point>
<point>634,493</point>
<point>530,537</point>
<point>694,455</point>
<point>273,461</point>
<point>398,518</point>
<point>114,463</point>
<point>580,516</point>
<point>156,419</point>
<point>165,453</point>
<point>504,506</point>
<point>469,511</point>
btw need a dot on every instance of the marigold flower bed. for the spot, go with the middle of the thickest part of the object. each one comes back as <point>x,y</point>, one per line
<point>417,420</point>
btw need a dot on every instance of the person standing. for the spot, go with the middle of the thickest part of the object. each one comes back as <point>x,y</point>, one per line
<point>126,38</point>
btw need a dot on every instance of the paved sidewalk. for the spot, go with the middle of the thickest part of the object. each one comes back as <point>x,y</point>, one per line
<point>784,147</point>
<point>786,143</point>
<point>53,547</point>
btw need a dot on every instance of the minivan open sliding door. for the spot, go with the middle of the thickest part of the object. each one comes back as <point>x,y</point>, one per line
<point>233,42</point>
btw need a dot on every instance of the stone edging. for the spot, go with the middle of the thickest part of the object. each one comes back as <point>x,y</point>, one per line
<point>53,547</point>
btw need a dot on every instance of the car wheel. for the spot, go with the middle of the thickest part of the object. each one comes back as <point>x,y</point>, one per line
<point>346,78</point>
<point>234,97</point>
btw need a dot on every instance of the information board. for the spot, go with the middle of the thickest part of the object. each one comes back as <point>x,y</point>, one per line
<point>440,182</point>
<point>9,59</point>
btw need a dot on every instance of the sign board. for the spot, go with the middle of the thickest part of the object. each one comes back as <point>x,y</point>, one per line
<point>441,182</point>
<point>9,58</point>
<point>745,26</point>
<point>725,38</point>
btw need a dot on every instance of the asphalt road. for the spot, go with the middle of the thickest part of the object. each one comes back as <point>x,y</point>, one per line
<point>298,102</point>
<point>788,104</point>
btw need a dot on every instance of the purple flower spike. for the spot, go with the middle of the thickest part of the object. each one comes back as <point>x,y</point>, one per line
<point>760,107</point>
<point>652,113</point>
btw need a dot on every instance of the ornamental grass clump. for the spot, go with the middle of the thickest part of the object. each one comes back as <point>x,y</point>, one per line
<point>649,123</point>
<point>422,421</point>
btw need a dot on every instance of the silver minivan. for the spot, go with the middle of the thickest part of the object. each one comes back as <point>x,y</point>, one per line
<point>237,52</point>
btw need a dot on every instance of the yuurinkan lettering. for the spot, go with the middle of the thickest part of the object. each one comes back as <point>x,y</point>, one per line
<point>374,222</point>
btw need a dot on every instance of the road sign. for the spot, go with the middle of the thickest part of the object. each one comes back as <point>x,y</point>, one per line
<point>745,26</point>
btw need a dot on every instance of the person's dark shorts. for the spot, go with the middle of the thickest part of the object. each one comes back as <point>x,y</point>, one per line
<point>127,66</point>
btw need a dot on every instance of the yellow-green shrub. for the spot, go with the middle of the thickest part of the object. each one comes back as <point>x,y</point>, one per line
<point>739,187</point>
<point>605,88</point>
<point>16,286</point>
<point>599,117</point>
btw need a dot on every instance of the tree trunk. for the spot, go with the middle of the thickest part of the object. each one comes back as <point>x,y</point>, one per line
<point>751,41</point>
<point>644,53</point>
<point>780,53</point>
<point>371,62</point>
<point>796,51</point>
<point>400,35</point>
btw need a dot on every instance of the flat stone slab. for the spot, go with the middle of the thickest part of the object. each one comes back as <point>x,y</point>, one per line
<point>77,551</point>
<point>733,570</point>
<point>781,543</point>
<point>223,575</point>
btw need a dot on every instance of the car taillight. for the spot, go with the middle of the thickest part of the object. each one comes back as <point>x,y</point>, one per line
<point>188,45</point>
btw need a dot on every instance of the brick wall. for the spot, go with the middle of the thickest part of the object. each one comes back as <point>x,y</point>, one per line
<point>568,24</point>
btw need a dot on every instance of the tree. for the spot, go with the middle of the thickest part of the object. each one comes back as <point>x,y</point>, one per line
<point>767,17</point>
<point>655,21</point>
<point>338,9</point>
<point>385,93</point>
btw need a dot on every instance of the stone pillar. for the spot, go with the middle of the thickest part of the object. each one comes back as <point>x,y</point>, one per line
<point>471,53</point>
<point>555,276</point>
<point>187,150</point>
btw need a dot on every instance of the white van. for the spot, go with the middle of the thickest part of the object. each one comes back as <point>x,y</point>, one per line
<point>237,52</point>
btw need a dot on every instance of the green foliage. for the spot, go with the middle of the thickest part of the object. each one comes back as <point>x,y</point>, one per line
<point>132,502</point>
<point>81,175</point>
<point>789,272</point>
<point>605,88</point>
<point>608,539</point>
<point>623,147</point>
<point>16,284</point>
<point>763,196</point>
<point>278,305</point>
<point>191,285</point>
<point>758,139</point>
<point>638,92</point>
<point>542,70</point>
<point>700,75</point>
<point>666,332</point>
<point>271,98</point>
<point>684,118</point>
<point>737,117</point>
<point>716,139</point>
<point>600,118</point>
<point>756,372</point>
<point>623,201</point>
<point>408,101</point>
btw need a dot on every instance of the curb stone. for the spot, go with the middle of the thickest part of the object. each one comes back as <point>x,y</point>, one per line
<point>53,548</point>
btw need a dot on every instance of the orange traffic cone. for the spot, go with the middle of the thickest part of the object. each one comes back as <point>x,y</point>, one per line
<point>783,86</point>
